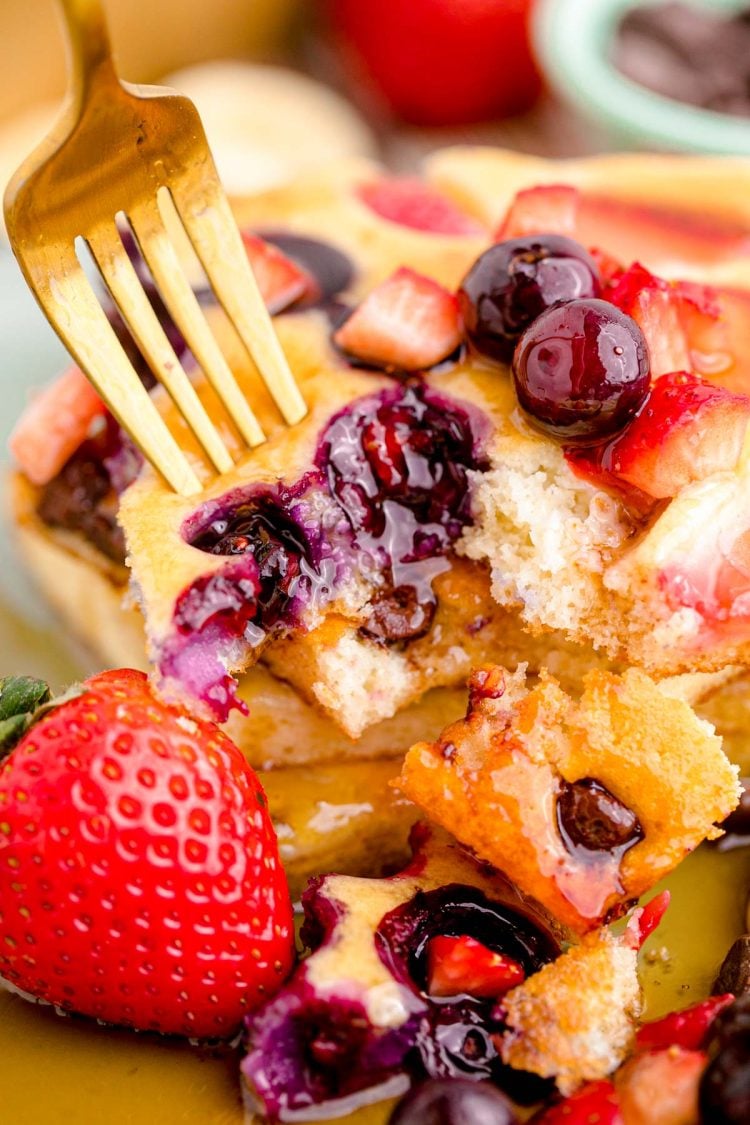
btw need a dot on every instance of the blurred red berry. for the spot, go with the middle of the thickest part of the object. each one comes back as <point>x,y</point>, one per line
<point>441,62</point>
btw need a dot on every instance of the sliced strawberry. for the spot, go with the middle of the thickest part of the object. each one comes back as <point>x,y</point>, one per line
<point>408,322</point>
<point>704,561</point>
<point>644,919</point>
<point>54,424</point>
<point>596,1102</point>
<point>686,430</point>
<point>661,1087</point>
<point>625,229</point>
<point>553,207</point>
<point>413,203</point>
<point>463,965</point>
<point>687,1029</point>
<point>280,280</point>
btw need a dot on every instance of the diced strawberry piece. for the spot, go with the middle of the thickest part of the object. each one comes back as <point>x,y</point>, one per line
<point>413,203</point>
<point>654,307</point>
<point>595,1102</point>
<point>644,920</point>
<point>686,430</point>
<point>687,1029</point>
<point>280,280</point>
<point>463,965</point>
<point>625,229</point>
<point>610,270</point>
<point>707,564</point>
<point>688,327</point>
<point>661,1087</point>
<point>54,424</point>
<point>407,323</point>
<point>551,208</point>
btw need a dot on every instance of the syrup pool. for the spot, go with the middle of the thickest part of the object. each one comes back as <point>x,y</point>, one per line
<point>93,1074</point>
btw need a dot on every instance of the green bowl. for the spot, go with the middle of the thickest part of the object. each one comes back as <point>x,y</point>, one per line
<point>572,39</point>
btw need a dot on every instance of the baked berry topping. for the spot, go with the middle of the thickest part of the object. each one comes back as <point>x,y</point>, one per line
<point>592,818</point>
<point>581,371</point>
<point>407,446</point>
<point>515,281</point>
<point>405,936</point>
<point>264,528</point>
<point>453,1102</point>
<point>398,464</point>
<point>464,965</point>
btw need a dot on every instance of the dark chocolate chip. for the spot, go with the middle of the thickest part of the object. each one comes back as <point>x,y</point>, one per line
<point>591,817</point>
<point>738,821</point>
<point>734,974</point>
<point>399,615</point>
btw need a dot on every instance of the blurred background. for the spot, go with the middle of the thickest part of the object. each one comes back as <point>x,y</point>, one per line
<point>283,85</point>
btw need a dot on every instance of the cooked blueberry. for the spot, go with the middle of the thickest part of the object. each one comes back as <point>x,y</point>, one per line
<point>513,282</point>
<point>732,1023</point>
<point>581,371</point>
<point>397,464</point>
<point>402,447</point>
<point>287,568</point>
<point>453,1102</point>
<point>591,817</point>
<point>724,1093</point>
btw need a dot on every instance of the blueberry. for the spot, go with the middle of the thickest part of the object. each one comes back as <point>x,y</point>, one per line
<point>724,1093</point>
<point>453,1102</point>
<point>513,282</point>
<point>581,371</point>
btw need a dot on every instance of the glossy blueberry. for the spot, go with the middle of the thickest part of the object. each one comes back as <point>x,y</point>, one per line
<point>581,371</point>
<point>515,281</point>
<point>453,1102</point>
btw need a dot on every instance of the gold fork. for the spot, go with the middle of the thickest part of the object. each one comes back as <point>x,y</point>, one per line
<point>117,149</point>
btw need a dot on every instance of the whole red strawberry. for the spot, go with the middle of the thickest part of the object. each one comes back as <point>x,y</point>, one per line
<point>140,881</point>
<point>440,62</point>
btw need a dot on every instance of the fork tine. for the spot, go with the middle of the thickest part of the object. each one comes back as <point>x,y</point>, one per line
<point>212,229</point>
<point>72,307</point>
<point>136,309</point>
<point>177,294</point>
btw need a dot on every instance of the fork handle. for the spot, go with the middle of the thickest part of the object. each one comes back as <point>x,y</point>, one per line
<point>90,52</point>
